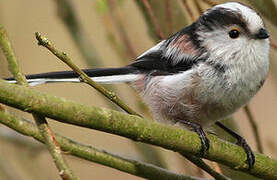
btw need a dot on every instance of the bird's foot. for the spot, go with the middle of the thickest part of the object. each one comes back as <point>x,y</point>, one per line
<point>205,143</point>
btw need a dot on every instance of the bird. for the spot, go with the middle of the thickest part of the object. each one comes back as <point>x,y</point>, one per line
<point>198,76</point>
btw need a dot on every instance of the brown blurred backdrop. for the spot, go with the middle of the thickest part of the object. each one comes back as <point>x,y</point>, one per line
<point>23,18</point>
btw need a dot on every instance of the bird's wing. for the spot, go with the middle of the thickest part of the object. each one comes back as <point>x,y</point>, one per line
<point>176,54</point>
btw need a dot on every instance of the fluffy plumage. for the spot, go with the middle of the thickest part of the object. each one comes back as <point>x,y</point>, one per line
<point>214,75</point>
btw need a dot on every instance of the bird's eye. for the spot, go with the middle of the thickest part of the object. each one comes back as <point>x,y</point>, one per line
<point>234,33</point>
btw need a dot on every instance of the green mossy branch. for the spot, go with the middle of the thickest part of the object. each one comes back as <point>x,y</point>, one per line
<point>54,148</point>
<point>132,127</point>
<point>6,47</point>
<point>92,154</point>
<point>51,144</point>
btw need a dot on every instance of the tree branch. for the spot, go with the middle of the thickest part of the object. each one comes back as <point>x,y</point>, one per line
<point>51,144</point>
<point>92,154</point>
<point>119,26</point>
<point>211,2</point>
<point>84,77</point>
<point>202,165</point>
<point>254,127</point>
<point>66,12</point>
<point>6,47</point>
<point>54,148</point>
<point>154,20</point>
<point>188,10</point>
<point>133,127</point>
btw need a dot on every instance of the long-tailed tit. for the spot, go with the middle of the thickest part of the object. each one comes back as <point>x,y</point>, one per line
<point>198,76</point>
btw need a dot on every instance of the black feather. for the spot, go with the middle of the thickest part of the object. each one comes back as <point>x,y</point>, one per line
<point>161,65</point>
<point>222,17</point>
<point>90,72</point>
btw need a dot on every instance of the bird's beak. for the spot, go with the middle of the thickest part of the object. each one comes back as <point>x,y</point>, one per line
<point>262,34</point>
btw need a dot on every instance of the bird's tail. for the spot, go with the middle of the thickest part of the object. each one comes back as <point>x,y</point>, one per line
<point>101,75</point>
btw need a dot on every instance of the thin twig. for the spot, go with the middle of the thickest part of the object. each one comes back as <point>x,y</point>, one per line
<point>10,56</point>
<point>154,20</point>
<point>92,154</point>
<point>66,12</point>
<point>69,16</point>
<point>211,2</point>
<point>168,15</point>
<point>216,167</point>
<point>198,7</point>
<point>273,44</point>
<point>51,144</point>
<point>121,30</point>
<point>201,164</point>
<point>83,76</point>
<point>254,128</point>
<point>54,148</point>
<point>188,9</point>
<point>113,41</point>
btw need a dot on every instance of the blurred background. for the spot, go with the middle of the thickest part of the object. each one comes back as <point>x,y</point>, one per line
<point>111,33</point>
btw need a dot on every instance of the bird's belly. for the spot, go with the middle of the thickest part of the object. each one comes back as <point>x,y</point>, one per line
<point>194,102</point>
<point>203,114</point>
<point>220,103</point>
<point>195,108</point>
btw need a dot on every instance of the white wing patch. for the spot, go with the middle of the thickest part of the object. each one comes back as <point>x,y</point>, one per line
<point>102,79</point>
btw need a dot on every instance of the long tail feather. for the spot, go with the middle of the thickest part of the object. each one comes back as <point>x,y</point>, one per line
<point>101,75</point>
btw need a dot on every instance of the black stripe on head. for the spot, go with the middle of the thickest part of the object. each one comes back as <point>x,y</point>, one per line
<point>222,17</point>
